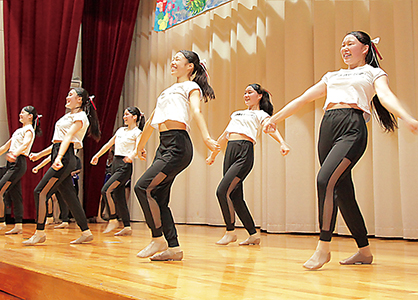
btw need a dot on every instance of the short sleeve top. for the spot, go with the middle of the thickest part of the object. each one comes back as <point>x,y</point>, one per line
<point>18,138</point>
<point>63,125</point>
<point>173,104</point>
<point>352,86</point>
<point>247,122</point>
<point>125,141</point>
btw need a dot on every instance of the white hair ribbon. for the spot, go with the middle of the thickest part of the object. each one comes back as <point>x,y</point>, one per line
<point>374,43</point>
<point>91,101</point>
<point>376,40</point>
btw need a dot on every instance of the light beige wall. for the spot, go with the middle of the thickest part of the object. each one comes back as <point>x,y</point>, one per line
<point>286,45</point>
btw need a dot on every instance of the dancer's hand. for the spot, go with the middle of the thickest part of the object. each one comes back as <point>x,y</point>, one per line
<point>57,164</point>
<point>128,159</point>
<point>34,156</point>
<point>94,160</point>
<point>212,144</point>
<point>412,125</point>
<point>143,154</point>
<point>11,157</point>
<point>210,160</point>
<point>269,127</point>
<point>284,149</point>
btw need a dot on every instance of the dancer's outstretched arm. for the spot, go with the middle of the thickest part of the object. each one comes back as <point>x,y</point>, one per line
<point>314,92</point>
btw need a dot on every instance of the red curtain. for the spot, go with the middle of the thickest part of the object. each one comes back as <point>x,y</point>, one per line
<point>40,44</point>
<point>106,37</point>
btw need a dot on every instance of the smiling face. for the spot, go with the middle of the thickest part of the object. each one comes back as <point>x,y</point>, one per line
<point>128,118</point>
<point>25,117</point>
<point>252,98</point>
<point>353,52</point>
<point>73,100</point>
<point>180,66</point>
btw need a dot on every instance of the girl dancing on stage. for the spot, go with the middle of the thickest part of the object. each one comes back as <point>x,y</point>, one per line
<point>68,136</point>
<point>171,117</point>
<point>241,134</point>
<point>343,137</point>
<point>19,146</point>
<point>126,141</point>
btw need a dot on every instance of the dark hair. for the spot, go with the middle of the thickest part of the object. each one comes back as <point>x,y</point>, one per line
<point>385,118</point>
<point>36,120</point>
<point>133,110</point>
<point>88,107</point>
<point>265,103</point>
<point>200,74</point>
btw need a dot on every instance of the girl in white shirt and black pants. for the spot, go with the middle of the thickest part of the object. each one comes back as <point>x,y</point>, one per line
<point>68,135</point>
<point>19,146</point>
<point>241,134</point>
<point>171,117</point>
<point>126,140</point>
<point>343,137</point>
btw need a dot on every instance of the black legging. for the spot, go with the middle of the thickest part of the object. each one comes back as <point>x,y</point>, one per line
<point>59,181</point>
<point>238,162</point>
<point>10,183</point>
<point>342,141</point>
<point>114,188</point>
<point>173,155</point>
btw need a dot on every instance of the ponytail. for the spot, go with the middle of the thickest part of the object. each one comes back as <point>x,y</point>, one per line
<point>265,103</point>
<point>36,119</point>
<point>89,108</point>
<point>140,120</point>
<point>385,118</point>
<point>200,74</point>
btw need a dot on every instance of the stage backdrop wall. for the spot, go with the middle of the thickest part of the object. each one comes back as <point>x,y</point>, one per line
<point>285,46</point>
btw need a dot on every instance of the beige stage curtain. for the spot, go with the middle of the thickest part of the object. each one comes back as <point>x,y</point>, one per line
<point>286,46</point>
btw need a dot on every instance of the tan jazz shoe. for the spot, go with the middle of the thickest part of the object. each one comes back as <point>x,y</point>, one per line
<point>63,225</point>
<point>124,232</point>
<point>251,240</point>
<point>15,231</point>
<point>35,239</point>
<point>168,255</point>
<point>156,245</point>
<point>227,238</point>
<point>317,260</point>
<point>357,259</point>
<point>83,239</point>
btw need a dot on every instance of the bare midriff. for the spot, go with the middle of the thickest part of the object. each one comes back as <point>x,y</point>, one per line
<point>342,105</point>
<point>171,125</point>
<point>239,137</point>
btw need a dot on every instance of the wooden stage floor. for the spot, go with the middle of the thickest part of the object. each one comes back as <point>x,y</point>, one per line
<point>109,269</point>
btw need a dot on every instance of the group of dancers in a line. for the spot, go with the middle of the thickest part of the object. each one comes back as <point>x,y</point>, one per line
<point>351,95</point>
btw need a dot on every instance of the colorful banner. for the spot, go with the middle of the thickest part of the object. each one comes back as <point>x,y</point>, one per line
<point>171,12</point>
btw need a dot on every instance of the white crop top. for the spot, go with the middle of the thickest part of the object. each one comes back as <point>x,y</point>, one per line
<point>352,86</point>
<point>64,124</point>
<point>247,122</point>
<point>173,104</point>
<point>18,137</point>
<point>125,141</point>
